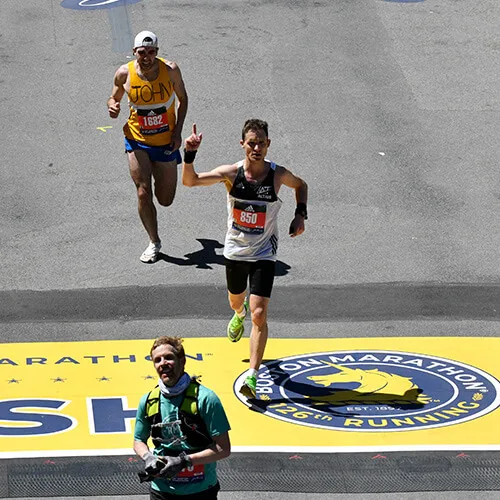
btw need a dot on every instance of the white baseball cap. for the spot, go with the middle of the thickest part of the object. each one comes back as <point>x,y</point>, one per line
<point>146,39</point>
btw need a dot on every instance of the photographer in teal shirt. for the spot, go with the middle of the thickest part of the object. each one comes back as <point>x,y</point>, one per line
<point>187,425</point>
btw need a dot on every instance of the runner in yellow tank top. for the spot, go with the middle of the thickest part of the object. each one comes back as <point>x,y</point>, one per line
<point>152,107</point>
<point>153,129</point>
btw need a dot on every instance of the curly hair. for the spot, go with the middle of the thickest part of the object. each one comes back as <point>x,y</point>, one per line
<point>175,342</point>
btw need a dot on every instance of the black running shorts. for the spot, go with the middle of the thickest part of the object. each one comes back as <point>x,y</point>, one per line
<point>259,273</point>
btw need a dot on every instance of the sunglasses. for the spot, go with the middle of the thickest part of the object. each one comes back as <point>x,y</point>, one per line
<point>143,52</point>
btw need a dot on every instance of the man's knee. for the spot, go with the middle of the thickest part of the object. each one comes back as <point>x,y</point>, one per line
<point>164,194</point>
<point>165,201</point>
<point>144,194</point>
<point>259,315</point>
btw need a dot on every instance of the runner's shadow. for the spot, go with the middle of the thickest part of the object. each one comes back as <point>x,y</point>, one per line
<point>327,400</point>
<point>302,391</point>
<point>281,268</point>
<point>204,258</point>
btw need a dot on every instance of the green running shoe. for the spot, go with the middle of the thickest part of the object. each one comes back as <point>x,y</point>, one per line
<point>236,326</point>
<point>249,387</point>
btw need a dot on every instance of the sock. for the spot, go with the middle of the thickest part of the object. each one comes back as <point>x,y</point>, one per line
<point>252,373</point>
<point>243,313</point>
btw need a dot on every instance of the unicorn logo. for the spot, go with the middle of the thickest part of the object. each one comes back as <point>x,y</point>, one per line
<point>374,387</point>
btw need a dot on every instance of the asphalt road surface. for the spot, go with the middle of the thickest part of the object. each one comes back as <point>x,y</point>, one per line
<point>388,109</point>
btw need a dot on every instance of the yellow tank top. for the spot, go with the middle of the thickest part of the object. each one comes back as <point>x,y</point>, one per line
<point>152,107</point>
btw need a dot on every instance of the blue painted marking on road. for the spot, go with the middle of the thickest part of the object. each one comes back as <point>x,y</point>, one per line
<point>96,4</point>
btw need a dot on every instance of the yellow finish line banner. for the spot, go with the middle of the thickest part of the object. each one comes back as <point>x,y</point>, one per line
<point>77,398</point>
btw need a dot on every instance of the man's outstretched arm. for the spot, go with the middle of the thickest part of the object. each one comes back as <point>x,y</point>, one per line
<point>190,177</point>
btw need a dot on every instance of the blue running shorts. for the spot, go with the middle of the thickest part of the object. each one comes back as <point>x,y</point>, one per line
<point>156,153</point>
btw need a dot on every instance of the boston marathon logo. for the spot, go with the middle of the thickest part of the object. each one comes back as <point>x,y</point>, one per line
<point>373,391</point>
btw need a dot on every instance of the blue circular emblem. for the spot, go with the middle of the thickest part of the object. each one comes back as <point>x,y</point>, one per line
<point>372,391</point>
<point>95,4</point>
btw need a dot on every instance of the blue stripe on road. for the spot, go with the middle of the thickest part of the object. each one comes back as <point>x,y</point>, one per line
<point>95,4</point>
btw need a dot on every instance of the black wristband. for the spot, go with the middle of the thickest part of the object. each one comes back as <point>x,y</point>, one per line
<point>189,156</point>
<point>301,210</point>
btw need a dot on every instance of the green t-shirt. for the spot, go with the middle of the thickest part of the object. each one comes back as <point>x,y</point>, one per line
<point>201,477</point>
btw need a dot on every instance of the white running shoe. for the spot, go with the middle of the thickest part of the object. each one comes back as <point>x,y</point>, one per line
<point>150,255</point>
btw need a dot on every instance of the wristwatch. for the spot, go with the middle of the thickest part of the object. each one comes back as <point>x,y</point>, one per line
<point>301,210</point>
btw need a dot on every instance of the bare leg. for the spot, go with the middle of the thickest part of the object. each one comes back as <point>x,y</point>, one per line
<point>165,176</point>
<point>236,301</point>
<point>258,336</point>
<point>141,170</point>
